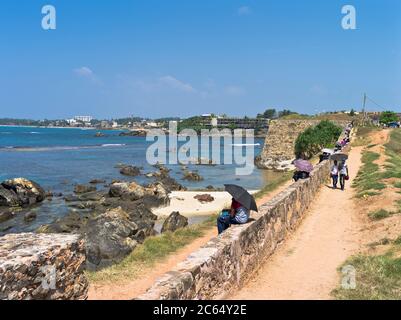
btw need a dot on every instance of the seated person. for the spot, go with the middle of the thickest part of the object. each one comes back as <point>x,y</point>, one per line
<point>300,175</point>
<point>237,214</point>
<point>324,156</point>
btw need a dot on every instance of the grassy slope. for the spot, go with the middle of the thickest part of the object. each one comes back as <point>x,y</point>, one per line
<point>378,277</point>
<point>151,251</point>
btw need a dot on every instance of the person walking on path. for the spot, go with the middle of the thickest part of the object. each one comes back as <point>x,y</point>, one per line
<point>343,169</point>
<point>334,174</point>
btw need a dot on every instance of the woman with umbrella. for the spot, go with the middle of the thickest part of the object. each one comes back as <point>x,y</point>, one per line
<point>304,168</point>
<point>242,203</point>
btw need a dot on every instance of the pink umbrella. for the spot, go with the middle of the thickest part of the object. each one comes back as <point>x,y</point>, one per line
<point>303,165</point>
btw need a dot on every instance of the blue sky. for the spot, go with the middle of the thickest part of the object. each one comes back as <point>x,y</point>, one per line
<point>180,58</point>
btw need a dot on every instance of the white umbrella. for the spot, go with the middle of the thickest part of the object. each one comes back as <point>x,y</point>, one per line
<point>329,151</point>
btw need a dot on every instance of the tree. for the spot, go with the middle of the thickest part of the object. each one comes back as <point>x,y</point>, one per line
<point>313,139</point>
<point>268,114</point>
<point>388,116</point>
<point>352,113</point>
<point>285,112</point>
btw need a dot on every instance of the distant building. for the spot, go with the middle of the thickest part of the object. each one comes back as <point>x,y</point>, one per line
<point>83,118</point>
<point>71,122</point>
<point>239,123</point>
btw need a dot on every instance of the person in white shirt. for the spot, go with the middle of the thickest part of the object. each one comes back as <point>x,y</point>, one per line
<point>334,174</point>
<point>343,169</point>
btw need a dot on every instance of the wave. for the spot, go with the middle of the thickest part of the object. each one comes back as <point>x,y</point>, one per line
<point>113,145</point>
<point>59,148</point>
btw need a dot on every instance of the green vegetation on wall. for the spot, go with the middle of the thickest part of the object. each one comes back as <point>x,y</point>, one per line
<point>313,139</point>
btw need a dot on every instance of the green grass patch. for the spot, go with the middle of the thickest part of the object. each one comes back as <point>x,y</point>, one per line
<point>377,277</point>
<point>379,214</point>
<point>369,176</point>
<point>152,250</point>
<point>274,184</point>
<point>367,194</point>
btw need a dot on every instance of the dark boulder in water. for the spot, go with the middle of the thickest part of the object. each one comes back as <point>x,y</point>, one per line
<point>192,176</point>
<point>20,192</point>
<point>29,216</point>
<point>174,222</point>
<point>8,198</point>
<point>5,215</point>
<point>97,181</point>
<point>131,171</point>
<point>81,188</point>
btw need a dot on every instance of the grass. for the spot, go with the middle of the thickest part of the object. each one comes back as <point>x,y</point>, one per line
<point>366,194</point>
<point>380,214</point>
<point>368,178</point>
<point>151,251</point>
<point>362,138</point>
<point>274,184</point>
<point>377,277</point>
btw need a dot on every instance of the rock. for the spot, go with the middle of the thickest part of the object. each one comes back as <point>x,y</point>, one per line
<point>91,196</point>
<point>99,135</point>
<point>210,187</point>
<point>153,195</point>
<point>5,215</point>
<point>133,133</point>
<point>73,222</point>
<point>97,181</point>
<point>204,198</point>
<point>192,176</point>
<point>8,198</point>
<point>127,190</point>
<point>131,171</point>
<point>29,216</point>
<point>28,192</point>
<point>109,238</point>
<point>81,188</point>
<point>174,221</point>
<point>156,195</point>
<point>71,198</point>
<point>29,261</point>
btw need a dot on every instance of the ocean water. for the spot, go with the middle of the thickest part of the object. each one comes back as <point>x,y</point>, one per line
<point>59,158</point>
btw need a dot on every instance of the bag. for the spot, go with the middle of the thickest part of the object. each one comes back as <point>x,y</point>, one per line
<point>346,177</point>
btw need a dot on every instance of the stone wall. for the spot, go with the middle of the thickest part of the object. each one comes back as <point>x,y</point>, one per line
<point>42,266</point>
<point>278,150</point>
<point>227,261</point>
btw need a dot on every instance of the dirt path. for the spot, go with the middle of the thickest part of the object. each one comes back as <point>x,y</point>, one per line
<point>135,287</point>
<point>305,266</point>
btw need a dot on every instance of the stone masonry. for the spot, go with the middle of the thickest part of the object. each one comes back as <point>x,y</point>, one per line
<point>278,151</point>
<point>227,261</point>
<point>42,266</point>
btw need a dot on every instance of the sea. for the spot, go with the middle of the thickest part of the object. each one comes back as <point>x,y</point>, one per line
<point>59,158</point>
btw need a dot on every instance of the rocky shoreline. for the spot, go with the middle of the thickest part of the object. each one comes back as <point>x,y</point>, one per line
<point>112,221</point>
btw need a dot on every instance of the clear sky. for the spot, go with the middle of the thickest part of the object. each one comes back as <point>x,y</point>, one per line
<point>159,58</point>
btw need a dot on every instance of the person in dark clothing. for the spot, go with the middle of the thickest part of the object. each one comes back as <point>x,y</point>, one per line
<point>300,175</point>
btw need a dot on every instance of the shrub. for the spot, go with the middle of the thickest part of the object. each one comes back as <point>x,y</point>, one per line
<point>313,139</point>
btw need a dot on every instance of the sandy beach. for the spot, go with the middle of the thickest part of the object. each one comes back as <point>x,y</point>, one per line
<point>185,203</point>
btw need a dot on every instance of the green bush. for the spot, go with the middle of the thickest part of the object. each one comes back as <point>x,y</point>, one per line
<point>313,139</point>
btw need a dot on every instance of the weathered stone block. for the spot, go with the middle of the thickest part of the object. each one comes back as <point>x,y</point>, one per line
<point>42,266</point>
